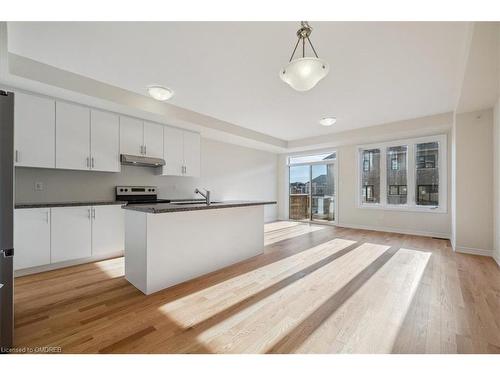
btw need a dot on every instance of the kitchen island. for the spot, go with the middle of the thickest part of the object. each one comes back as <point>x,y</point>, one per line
<point>168,243</point>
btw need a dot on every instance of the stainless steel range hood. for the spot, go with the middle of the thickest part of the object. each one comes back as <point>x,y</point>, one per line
<point>141,161</point>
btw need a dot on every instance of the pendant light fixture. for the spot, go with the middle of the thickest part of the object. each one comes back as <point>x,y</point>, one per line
<point>303,73</point>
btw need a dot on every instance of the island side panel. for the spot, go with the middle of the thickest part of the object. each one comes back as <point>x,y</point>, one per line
<point>184,245</point>
<point>135,249</point>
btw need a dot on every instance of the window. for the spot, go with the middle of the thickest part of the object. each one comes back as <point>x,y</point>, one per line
<point>407,175</point>
<point>427,174</point>
<point>370,177</point>
<point>394,164</point>
<point>428,195</point>
<point>368,193</point>
<point>396,173</point>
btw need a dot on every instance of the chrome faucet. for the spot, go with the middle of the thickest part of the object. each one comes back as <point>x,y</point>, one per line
<point>206,195</point>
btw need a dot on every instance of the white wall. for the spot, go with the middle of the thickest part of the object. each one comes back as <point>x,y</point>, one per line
<point>229,171</point>
<point>473,182</point>
<point>496,182</point>
<point>349,214</point>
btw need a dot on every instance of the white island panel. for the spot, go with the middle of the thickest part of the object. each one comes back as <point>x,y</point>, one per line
<point>165,249</point>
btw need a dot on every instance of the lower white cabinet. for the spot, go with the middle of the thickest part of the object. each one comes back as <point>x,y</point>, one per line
<point>31,237</point>
<point>108,229</point>
<point>71,233</point>
<point>51,235</point>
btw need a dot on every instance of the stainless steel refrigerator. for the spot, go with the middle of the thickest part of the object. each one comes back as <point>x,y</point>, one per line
<point>6,220</point>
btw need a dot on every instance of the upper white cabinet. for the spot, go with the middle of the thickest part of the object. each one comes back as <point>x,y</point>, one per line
<point>153,140</point>
<point>131,136</point>
<point>141,138</point>
<point>173,151</point>
<point>63,135</point>
<point>192,154</point>
<point>181,153</point>
<point>108,230</point>
<point>34,119</point>
<point>31,237</point>
<point>86,139</point>
<point>71,233</point>
<point>72,136</point>
<point>104,141</point>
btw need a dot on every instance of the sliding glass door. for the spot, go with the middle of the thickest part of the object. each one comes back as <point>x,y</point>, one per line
<point>312,188</point>
<point>322,192</point>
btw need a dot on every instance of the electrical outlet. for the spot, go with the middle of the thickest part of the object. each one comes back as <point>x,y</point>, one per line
<point>38,186</point>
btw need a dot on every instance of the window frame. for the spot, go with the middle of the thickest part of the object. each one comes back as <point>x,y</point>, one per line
<point>411,173</point>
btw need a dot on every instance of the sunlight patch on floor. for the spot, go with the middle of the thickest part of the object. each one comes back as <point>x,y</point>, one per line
<point>111,267</point>
<point>205,303</point>
<point>260,326</point>
<point>276,225</point>
<point>369,322</point>
<point>278,235</point>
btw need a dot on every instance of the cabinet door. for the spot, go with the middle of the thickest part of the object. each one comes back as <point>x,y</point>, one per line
<point>70,233</point>
<point>108,230</point>
<point>173,151</point>
<point>35,126</point>
<point>192,154</point>
<point>105,141</point>
<point>72,136</point>
<point>153,139</point>
<point>131,136</point>
<point>31,237</point>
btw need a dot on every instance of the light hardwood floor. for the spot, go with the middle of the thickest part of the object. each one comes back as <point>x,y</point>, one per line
<point>316,289</point>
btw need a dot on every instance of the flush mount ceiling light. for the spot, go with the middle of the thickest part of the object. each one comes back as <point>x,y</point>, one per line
<point>160,93</point>
<point>328,121</point>
<point>303,73</point>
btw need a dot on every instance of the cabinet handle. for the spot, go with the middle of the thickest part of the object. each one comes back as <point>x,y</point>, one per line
<point>47,216</point>
<point>145,149</point>
<point>17,156</point>
<point>93,213</point>
<point>142,149</point>
<point>89,215</point>
<point>88,162</point>
<point>92,162</point>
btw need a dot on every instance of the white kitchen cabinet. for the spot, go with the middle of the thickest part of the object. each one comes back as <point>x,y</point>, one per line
<point>72,136</point>
<point>153,140</point>
<point>131,136</point>
<point>108,230</point>
<point>173,140</point>
<point>34,121</point>
<point>181,153</point>
<point>31,237</point>
<point>71,233</point>
<point>104,141</point>
<point>192,155</point>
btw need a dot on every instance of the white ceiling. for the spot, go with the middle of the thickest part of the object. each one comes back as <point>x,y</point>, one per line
<point>379,72</point>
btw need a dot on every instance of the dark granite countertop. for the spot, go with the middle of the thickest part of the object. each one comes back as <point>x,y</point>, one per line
<point>160,208</point>
<point>68,204</point>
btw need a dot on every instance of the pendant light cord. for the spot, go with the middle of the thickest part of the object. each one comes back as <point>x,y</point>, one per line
<point>303,38</point>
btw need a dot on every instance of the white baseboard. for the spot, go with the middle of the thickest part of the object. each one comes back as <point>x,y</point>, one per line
<point>473,251</point>
<point>396,230</point>
<point>69,263</point>
<point>496,258</point>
